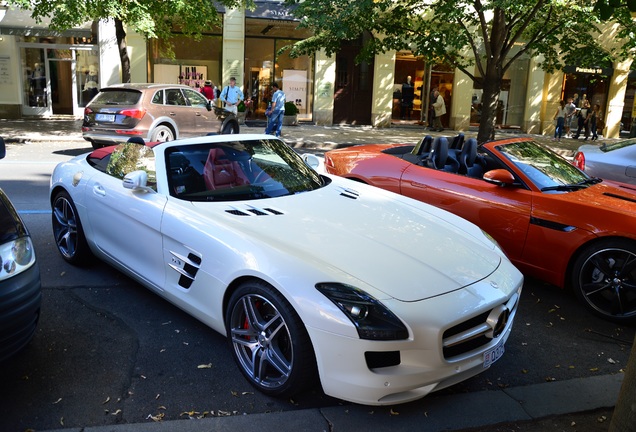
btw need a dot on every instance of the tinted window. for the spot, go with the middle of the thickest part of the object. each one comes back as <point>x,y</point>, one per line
<point>157,98</point>
<point>175,97</point>
<point>117,97</point>
<point>195,98</point>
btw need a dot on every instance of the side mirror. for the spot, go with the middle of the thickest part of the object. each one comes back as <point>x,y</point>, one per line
<point>312,160</point>
<point>3,150</point>
<point>136,180</point>
<point>499,177</point>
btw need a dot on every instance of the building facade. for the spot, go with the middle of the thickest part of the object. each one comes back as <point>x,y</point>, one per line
<point>45,73</point>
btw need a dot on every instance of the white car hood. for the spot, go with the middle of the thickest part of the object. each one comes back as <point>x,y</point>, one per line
<point>406,249</point>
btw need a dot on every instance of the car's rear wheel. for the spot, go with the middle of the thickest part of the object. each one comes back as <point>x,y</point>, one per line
<point>604,279</point>
<point>67,230</point>
<point>162,133</point>
<point>269,341</point>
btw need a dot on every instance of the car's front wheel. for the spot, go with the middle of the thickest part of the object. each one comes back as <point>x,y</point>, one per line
<point>162,133</point>
<point>269,341</point>
<point>604,279</point>
<point>230,129</point>
<point>67,230</point>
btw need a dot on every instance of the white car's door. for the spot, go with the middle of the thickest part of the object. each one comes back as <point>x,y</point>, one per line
<point>125,225</point>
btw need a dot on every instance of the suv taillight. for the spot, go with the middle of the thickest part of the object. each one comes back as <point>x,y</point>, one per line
<point>134,113</point>
<point>579,161</point>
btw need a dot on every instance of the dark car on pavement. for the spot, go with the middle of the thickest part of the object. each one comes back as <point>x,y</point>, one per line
<point>20,289</point>
<point>154,112</point>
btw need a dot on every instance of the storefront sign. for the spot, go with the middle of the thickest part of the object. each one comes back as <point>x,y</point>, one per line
<point>589,70</point>
<point>5,71</point>
<point>295,87</point>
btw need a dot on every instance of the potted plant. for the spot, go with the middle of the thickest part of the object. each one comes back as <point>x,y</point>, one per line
<point>241,108</point>
<point>291,114</point>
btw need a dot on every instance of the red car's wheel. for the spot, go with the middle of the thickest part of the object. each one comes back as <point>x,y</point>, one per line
<point>604,279</point>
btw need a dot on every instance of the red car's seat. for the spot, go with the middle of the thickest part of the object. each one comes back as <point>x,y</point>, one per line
<point>220,172</point>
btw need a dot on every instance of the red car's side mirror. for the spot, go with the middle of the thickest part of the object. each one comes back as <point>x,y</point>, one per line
<point>500,177</point>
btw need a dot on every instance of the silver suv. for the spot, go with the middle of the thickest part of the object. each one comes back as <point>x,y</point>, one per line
<point>154,112</point>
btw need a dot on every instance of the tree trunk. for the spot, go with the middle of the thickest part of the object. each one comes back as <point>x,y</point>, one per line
<point>624,416</point>
<point>120,33</point>
<point>493,77</point>
<point>489,101</point>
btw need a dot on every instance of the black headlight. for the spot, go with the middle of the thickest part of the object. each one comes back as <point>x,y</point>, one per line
<point>371,318</point>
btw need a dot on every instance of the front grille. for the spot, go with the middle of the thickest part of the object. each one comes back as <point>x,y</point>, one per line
<point>479,330</point>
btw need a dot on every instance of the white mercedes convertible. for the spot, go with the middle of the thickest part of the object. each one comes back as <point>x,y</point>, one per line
<point>381,298</point>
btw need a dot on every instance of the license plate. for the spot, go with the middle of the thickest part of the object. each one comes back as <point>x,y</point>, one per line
<point>493,354</point>
<point>105,117</point>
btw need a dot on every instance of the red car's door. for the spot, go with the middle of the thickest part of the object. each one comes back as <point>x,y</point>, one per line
<point>503,212</point>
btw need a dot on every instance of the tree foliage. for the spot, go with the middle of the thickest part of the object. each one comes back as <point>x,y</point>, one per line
<point>151,18</point>
<point>480,38</point>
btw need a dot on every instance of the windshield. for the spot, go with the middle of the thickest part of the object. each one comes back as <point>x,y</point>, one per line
<point>238,170</point>
<point>547,170</point>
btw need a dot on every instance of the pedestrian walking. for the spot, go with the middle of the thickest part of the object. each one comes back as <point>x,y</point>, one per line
<point>559,116</point>
<point>594,115</point>
<point>583,120</point>
<point>208,91</point>
<point>570,113</point>
<point>440,109</point>
<point>231,96</point>
<point>276,112</point>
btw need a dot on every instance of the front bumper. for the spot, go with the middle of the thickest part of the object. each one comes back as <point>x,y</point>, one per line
<point>20,299</point>
<point>409,369</point>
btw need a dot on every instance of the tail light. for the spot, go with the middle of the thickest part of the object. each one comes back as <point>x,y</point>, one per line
<point>87,111</point>
<point>134,113</point>
<point>579,161</point>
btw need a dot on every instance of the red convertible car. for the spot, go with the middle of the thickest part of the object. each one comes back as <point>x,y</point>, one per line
<point>555,222</point>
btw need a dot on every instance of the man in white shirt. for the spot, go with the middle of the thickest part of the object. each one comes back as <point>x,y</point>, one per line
<point>231,96</point>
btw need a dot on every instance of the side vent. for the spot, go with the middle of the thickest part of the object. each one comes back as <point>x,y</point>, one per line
<point>253,211</point>
<point>349,193</point>
<point>187,267</point>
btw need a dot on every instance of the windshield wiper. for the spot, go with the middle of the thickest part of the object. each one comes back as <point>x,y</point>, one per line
<point>590,181</point>
<point>564,187</point>
<point>572,187</point>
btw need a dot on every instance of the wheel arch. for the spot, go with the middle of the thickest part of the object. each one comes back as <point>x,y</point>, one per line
<point>579,251</point>
<point>164,122</point>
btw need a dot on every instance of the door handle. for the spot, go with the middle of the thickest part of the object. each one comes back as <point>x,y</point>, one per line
<point>99,190</point>
<point>418,184</point>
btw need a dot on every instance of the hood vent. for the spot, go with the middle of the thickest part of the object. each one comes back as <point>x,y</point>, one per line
<point>349,193</point>
<point>254,211</point>
<point>620,197</point>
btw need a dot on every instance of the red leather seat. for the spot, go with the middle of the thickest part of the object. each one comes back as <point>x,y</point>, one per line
<point>219,172</point>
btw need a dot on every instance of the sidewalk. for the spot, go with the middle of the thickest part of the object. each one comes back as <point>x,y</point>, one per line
<point>302,136</point>
<point>519,408</point>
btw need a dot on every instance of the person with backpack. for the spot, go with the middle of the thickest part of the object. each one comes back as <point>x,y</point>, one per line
<point>231,96</point>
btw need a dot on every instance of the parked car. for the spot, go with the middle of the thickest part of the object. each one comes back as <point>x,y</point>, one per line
<point>383,298</point>
<point>154,112</point>
<point>20,290</point>
<point>553,221</point>
<point>611,160</point>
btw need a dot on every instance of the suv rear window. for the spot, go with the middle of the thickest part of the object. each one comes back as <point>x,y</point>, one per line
<point>117,97</point>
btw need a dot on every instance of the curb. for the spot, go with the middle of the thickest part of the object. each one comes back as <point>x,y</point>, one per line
<point>451,412</point>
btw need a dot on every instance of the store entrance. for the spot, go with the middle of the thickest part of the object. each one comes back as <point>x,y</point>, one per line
<point>353,91</point>
<point>61,86</point>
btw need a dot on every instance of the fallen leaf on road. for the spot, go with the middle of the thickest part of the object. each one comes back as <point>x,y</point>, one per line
<point>612,361</point>
<point>205,366</point>
<point>57,401</point>
<point>106,401</point>
<point>394,412</point>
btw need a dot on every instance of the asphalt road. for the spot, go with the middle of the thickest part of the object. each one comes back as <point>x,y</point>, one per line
<point>108,351</point>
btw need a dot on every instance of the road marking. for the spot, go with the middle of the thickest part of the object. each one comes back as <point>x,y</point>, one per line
<point>28,212</point>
